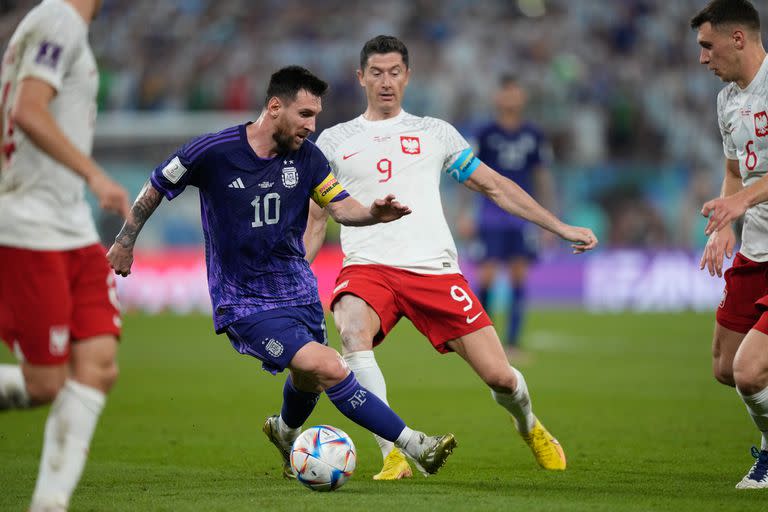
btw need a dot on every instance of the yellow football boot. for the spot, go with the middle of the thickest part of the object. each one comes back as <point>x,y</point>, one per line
<point>395,467</point>
<point>548,452</point>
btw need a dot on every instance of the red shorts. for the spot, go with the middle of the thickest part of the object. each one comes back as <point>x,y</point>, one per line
<point>745,297</point>
<point>442,307</point>
<point>50,297</point>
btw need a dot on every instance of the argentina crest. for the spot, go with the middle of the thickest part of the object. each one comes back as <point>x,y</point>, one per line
<point>290,174</point>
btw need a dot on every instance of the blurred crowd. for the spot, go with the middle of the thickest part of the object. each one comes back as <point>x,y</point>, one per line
<point>616,85</point>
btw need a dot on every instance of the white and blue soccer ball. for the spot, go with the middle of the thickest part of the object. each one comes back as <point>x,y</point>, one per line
<point>323,458</point>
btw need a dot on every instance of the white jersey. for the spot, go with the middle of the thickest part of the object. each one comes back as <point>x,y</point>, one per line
<point>42,203</point>
<point>743,118</point>
<point>404,156</point>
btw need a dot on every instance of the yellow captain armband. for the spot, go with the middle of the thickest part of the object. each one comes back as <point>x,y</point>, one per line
<point>327,191</point>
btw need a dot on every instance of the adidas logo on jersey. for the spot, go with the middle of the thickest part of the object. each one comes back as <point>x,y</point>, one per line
<point>238,183</point>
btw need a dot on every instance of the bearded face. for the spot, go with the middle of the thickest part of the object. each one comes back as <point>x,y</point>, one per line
<point>296,121</point>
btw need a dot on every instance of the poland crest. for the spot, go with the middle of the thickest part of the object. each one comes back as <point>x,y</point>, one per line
<point>410,145</point>
<point>761,124</point>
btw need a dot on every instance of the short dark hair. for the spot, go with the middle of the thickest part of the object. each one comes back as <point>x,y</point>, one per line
<point>723,12</point>
<point>507,79</point>
<point>383,44</point>
<point>286,83</point>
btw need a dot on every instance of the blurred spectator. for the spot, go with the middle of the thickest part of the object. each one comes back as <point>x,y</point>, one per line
<point>611,81</point>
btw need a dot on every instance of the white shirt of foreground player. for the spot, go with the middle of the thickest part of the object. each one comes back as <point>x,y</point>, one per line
<point>405,156</point>
<point>42,203</point>
<point>743,118</point>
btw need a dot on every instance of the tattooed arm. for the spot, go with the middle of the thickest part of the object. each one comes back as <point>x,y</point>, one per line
<point>120,255</point>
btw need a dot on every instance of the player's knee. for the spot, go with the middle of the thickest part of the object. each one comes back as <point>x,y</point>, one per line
<point>501,380</point>
<point>724,375</point>
<point>749,378</point>
<point>108,375</point>
<point>355,337</point>
<point>336,371</point>
<point>100,375</point>
<point>328,370</point>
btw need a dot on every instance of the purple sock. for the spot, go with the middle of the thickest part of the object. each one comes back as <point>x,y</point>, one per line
<point>297,404</point>
<point>366,409</point>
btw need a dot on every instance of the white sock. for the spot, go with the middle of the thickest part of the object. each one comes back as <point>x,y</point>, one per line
<point>13,390</point>
<point>368,374</point>
<point>518,404</point>
<point>68,433</point>
<point>757,406</point>
<point>410,441</point>
<point>287,433</point>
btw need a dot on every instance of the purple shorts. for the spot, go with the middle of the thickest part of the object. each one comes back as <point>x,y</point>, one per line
<point>504,244</point>
<point>274,336</point>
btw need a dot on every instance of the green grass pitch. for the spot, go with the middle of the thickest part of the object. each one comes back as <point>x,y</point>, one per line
<point>631,398</point>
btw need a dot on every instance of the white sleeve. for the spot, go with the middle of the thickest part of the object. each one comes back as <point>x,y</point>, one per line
<point>328,145</point>
<point>51,47</point>
<point>454,144</point>
<point>324,143</point>
<point>729,148</point>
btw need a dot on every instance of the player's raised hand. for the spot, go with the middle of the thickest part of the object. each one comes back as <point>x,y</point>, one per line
<point>120,259</point>
<point>584,239</point>
<point>722,211</point>
<point>388,209</point>
<point>720,243</point>
<point>111,196</point>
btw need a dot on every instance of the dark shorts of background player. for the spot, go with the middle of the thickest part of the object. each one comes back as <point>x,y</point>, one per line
<point>49,299</point>
<point>442,307</point>
<point>745,298</point>
<point>508,243</point>
<point>274,336</point>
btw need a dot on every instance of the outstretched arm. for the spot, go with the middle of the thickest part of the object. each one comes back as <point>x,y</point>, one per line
<point>513,199</point>
<point>350,212</point>
<point>120,255</point>
<point>314,236</point>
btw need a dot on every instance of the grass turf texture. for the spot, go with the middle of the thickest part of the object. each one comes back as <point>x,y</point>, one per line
<point>643,423</point>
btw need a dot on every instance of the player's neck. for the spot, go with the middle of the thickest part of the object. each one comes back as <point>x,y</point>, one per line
<point>372,114</point>
<point>260,139</point>
<point>509,123</point>
<point>751,66</point>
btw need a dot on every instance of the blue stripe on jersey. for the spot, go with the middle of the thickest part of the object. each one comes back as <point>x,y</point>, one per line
<point>229,131</point>
<point>464,165</point>
<point>212,142</point>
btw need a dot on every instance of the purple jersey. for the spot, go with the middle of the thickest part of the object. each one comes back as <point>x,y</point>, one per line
<point>254,213</point>
<point>516,155</point>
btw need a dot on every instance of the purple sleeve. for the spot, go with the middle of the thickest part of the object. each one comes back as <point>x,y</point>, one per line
<point>177,171</point>
<point>171,177</point>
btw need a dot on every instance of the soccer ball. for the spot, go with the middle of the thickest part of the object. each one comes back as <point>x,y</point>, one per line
<point>323,458</point>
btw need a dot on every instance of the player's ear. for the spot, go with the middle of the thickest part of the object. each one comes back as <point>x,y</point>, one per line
<point>361,77</point>
<point>274,105</point>
<point>738,39</point>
